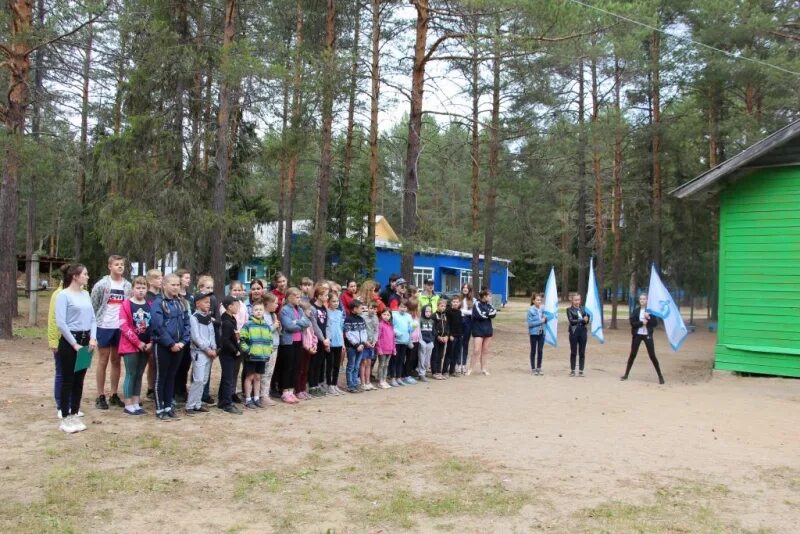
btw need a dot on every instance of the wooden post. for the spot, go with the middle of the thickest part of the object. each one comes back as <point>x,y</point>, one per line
<point>33,292</point>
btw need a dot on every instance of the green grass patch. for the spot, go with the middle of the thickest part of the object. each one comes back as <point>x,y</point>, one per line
<point>687,506</point>
<point>31,332</point>
<point>68,493</point>
<point>250,484</point>
<point>399,507</point>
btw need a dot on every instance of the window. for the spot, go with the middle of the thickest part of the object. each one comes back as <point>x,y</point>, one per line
<point>466,278</point>
<point>249,274</point>
<point>421,274</point>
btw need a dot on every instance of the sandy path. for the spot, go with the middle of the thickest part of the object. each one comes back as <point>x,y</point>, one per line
<point>572,443</point>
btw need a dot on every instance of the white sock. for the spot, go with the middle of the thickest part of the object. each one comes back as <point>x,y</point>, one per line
<point>249,399</point>
<point>256,398</point>
<point>130,408</point>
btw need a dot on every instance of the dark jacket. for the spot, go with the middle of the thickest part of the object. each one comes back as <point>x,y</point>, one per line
<point>575,317</point>
<point>454,320</point>
<point>441,328</point>
<point>636,324</point>
<point>426,329</point>
<point>482,315</point>
<point>229,342</point>
<point>169,322</point>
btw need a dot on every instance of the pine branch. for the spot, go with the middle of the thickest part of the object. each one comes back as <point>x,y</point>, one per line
<point>439,41</point>
<point>6,50</point>
<point>73,31</point>
<point>3,113</point>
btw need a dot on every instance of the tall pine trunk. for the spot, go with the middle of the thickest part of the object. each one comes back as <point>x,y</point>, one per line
<point>321,215</point>
<point>341,215</point>
<point>475,67</point>
<point>36,125</point>
<point>581,208</point>
<point>284,159</point>
<point>84,145</point>
<point>616,216</point>
<point>223,148</point>
<point>294,157</point>
<point>655,99</point>
<point>181,17</point>
<point>599,228</point>
<point>18,63</point>
<point>494,156</point>
<point>375,81</point>
<point>414,147</point>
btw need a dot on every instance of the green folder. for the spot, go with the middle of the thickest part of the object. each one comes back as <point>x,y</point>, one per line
<point>84,359</point>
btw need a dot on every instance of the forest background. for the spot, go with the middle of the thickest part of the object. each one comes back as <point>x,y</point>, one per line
<point>142,127</point>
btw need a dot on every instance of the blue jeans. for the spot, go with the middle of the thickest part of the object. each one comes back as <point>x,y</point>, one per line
<point>466,324</point>
<point>353,366</point>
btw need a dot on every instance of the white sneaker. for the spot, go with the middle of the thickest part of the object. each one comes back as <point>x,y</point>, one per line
<point>80,413</point>
<point>67,426</point>
<point>339,391</point>
<point>78,424</point>
<point>58,412</point>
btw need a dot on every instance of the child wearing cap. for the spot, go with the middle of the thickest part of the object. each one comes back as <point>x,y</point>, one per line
<point>203,351</point>
<point>228,354</point>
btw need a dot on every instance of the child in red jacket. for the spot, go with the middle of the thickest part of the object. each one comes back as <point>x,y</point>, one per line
<point>134,344</point>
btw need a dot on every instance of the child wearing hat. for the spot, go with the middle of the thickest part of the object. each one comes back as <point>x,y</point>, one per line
<point>203,351</point>
<point>228,353</point>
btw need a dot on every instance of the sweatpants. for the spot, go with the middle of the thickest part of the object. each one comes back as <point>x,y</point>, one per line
<point>71,382</point>
<point>383,366</point>
<point>451,356</point>
<point>182,373</point>
<point>290,354</point>
<point>577,347</point>
<point>439,349</point>
<point>651,351</point>
<point>301,373</point>
<point>537,346</point>
<point>207,385</point>
<point>412,359</point>
<point>353,367</point>
<point>227,380</point>
<point>266,378</point>
<point>57,379</point>
<point>398,362</point>
<point>135,362</point>
<point>167,363</point>
<point>201,370</point>
<point>466,325</point>
<point>425,351</point>
<point>333,360</point>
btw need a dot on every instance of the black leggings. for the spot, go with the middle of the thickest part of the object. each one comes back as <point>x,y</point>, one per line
<point>316,371</point>
<point>290,354</point>
<point>437,356</point>
<point>167,363</point>
<point>412,360</point>
<point>333,359</point>
<point>577,344</point>
<point>71,389</point>
<point>182,374</point>
<point>651,351</point>
<point>537,347</point>
<point>398,362</point>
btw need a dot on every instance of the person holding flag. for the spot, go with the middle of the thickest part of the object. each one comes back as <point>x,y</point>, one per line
<point>642,326</point>
<point>661,304</point>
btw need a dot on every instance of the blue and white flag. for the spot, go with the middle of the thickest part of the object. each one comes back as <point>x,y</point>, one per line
<point>594,306</point>
<point>660,304</point>
<point>551,310</point>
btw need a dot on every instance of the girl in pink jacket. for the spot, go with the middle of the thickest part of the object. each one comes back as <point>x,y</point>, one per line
<point>134,344</point>
<point>385,347</point>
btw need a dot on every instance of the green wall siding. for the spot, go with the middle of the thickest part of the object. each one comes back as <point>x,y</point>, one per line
<point>759,278</point>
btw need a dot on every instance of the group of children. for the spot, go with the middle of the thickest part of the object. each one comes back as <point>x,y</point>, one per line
<point>287,343</point>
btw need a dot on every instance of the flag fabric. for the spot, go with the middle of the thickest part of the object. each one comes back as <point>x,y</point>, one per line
<point>551,309</point>
<point>594,306</point>
<point>660,304</point>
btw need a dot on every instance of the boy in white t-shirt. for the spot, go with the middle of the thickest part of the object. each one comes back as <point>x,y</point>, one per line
<point>107,296</point>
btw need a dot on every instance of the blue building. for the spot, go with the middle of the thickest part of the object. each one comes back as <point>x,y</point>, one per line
<point>449,269</point>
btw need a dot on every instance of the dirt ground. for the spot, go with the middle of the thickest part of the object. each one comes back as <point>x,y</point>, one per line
<point>707,452</point>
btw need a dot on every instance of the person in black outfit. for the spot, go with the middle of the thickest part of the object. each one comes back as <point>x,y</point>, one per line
<point>642,326</point>
<point>228,353</point>
<point>453,355</point>
<point>577,317</point>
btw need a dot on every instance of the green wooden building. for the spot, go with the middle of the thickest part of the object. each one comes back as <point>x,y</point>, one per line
<point>758,192</point>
